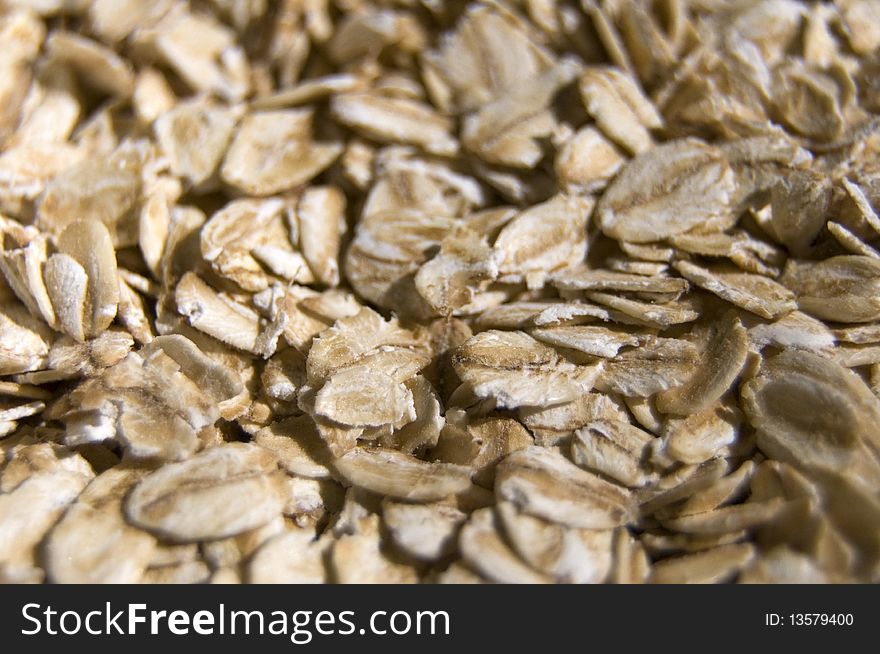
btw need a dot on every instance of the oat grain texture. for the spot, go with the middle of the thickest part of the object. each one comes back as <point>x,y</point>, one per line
<point>526,291</point>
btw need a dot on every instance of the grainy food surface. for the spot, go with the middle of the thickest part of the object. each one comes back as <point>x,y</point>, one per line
<point>439,291</point>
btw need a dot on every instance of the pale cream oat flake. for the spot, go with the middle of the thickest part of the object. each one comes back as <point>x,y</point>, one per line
<point>794,330</point>
<point>700,436</point>
<point>579,279</point>
<point>714,565</point>
<point>810,411</point>
<point>750,254</point>
<point>862,204</point>
<point>22,268</point>
<point>515,369</point>
<point>194,134</point>
<point>665,191</point>
<point>106,190</point>
<point>484,549</point>
<point>216,315</point>
<point>201,50</point>
<point>97,65</point>
<point>256,165</point>
<point>506,131</point>
<point>358,559</point>
<point>547,237</point>
<point>30,510</point>
<point>682,483</point>
<point>352,337</point>
<point>799,203</point>
<point>722,361</point>
<point>656,365</point>
<point>89,244</point>
<point>839,289</point>
<point>424,430</point>
<point>649,314</point>
<point>425,531</point>
<point>851,241</point>
<point>567,555</point>
<point>726,489</point>
<point>24,341</point>
<point>221,492</point>
<point>92,543</point>
<point>620,108</point>
<point>21,411</point>
<point>245,234</point>
<point>321,220</point>
<point>463,268</point>
<point>479,443</point>
<point>614,448</point>
<point>587,161</point>
<point>189,572</point>
<point>589,339</point>
<point>359,396</point>
<point>727,519</point>
<point>760,295</point>
<point>630,564</point>
<point>554,424</point>
<point>297,444</point>
<point>397,120</point>
<point>66,286</point>
<point>295,556</point>
<point>152,96</point>
<point>545,484</point>
<point>402,476</point>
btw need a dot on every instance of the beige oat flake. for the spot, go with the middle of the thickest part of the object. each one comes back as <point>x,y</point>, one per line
<point>363,291</point>
<point>221,492</point>
<point>665,191</point>
<point>514,369</point>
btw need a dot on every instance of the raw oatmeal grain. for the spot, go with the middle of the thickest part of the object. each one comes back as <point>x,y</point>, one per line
<point>558,291</point>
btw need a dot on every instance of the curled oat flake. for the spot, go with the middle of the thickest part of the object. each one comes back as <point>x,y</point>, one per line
<point>514,369</point>
<point>615,449</point>
<point>619,107</point>
<point>724,358</point>
<point>545,484</point>
<point>700,436</point>
<point>484,549</point>
<point>756,293</point>
<point>402,476</point>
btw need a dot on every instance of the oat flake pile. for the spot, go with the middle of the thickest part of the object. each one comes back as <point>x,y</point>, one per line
<point>435,291</point>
